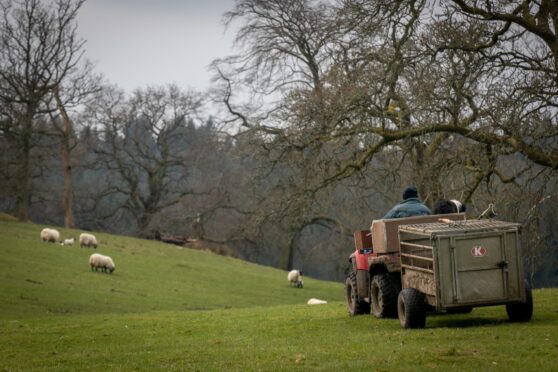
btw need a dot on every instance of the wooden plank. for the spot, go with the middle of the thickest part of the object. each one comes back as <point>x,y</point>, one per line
<point>418,269</point>
<point>429,259</point>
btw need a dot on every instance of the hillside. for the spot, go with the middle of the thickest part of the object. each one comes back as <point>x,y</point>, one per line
<point>167,308</point>
<point>40,278</point>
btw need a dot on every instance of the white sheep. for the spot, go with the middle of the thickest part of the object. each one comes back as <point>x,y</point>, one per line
<point>87,240</point>
<point>315,301</point>
<point>294,278</point>
<point>50,235</point>
<point>99,261</point>
<point>69,241</point>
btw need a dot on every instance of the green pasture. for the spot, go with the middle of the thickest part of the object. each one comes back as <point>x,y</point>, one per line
<point>38,278</point>
<point>167,308</point>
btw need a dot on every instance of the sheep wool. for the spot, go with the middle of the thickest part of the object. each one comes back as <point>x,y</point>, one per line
<point>315,301</point>
<point>87,240</point>
<point>98,261</point>
<point>50,235</point>
<point>68,242</point>
<point>294,278</point>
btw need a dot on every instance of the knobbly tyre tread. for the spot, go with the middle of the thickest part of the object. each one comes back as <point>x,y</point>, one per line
<point>383,296</point>
<point>411,308</point>
<point>355,306</point>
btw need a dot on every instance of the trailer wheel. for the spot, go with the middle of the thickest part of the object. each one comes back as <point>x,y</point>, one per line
<point>383,296</point>
<point>411,308</point>
<point>521,311</point>
<point>355,305</point>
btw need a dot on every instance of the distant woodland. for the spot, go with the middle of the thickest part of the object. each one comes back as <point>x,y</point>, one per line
<point>312,129</point>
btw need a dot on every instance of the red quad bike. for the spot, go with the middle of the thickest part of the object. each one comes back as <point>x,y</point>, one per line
<point>373,282</point>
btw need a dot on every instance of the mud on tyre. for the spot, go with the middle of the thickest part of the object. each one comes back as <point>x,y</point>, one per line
<point>411,308</point>
<point>355,305</point>
<point>383,295</point>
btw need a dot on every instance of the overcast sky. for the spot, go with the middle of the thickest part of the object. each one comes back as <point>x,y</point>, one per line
<point>135,43</point>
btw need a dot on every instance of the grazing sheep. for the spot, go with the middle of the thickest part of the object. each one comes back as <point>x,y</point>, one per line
<point>87,240</point>
<point>99,261</point>
<point>68,241</point>
<point>294,278</point>
<point>50,235</point>
<point>315,301</point>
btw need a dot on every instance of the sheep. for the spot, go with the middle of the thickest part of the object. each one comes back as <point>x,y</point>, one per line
<point>69,241</point>
<point>461,208</point>
<point>99,261</point>
<point>315,301</point>
<point>50,235</point>
<point>87,240</point>
<point>445,206</point>
<point>294,278</point>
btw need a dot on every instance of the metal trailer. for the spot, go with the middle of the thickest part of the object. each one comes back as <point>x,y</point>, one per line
<point>374,276</point>
<point>457,265</point>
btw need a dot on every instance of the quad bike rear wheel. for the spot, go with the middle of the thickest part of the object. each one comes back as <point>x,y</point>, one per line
<point>383,296</point>
<point>355,305</point>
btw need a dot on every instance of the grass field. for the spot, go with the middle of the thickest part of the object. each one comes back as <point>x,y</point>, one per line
<point>167,308</point>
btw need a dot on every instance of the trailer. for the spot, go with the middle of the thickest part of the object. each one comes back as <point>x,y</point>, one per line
<point>454,266</point>
<point>374,278</point>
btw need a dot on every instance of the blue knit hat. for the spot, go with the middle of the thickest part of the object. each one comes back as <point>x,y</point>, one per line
<point>410,192</point>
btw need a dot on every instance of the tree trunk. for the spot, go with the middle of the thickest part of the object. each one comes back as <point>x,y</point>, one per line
<point>144,220</point>
<point>67,195</point>
<point>67,198</point>
<point>287,258</point>
<point>290,254</point>
<point>22,176</point>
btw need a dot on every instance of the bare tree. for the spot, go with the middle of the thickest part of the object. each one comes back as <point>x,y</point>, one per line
<point>447,94</point>
<point>78,90</point>
<point>39,50</point>
<point>526,21</point>
<point>406,81</point>
<point>146,150</point>
<point>386,66</point>
<point>66,132</point>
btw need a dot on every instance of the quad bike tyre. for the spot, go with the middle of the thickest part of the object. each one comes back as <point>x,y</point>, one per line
<point>383,296</point>
<point>355,305</point>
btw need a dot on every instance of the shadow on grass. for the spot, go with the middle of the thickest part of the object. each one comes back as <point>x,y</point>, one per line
<point>466,322</point>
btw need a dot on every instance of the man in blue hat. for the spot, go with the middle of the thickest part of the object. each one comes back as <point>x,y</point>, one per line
<point>410,206</point>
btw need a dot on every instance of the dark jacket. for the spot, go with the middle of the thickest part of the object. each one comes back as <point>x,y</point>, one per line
<point>408,208</point>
